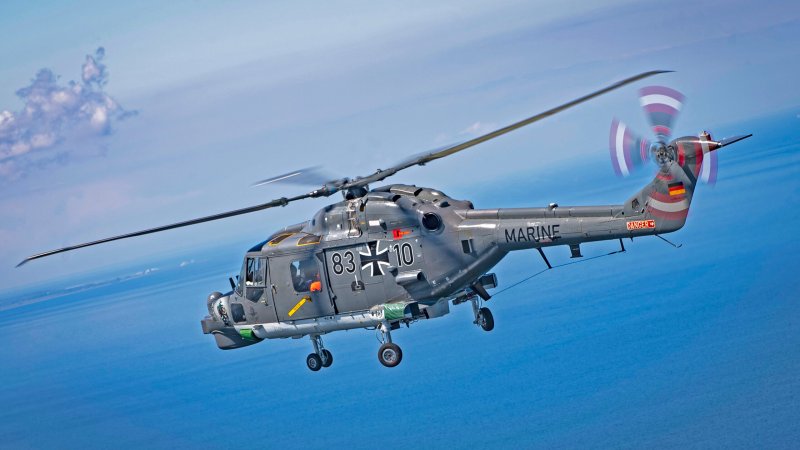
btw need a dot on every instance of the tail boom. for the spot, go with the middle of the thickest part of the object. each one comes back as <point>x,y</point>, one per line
<point>662,206</point>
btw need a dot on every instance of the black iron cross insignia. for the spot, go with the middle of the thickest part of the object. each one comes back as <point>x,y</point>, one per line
<point>375,258</point>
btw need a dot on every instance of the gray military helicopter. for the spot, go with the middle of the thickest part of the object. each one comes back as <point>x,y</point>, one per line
<point>399,253</point>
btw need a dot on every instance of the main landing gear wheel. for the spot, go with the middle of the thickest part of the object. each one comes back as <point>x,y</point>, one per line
<point>327,358</point>
<point>314,362</point>
<point>485,319</point>
<point>390,354</point>
<point>321,357</point>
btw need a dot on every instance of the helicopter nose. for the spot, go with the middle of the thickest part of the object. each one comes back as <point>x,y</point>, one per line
<point>211,302</point>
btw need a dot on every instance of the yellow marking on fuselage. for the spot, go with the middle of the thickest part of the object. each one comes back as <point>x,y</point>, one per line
<point>298,305</point>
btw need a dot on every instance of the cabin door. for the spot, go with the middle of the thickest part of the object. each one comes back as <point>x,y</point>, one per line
<point>298,289</point>
<point>258,306</point>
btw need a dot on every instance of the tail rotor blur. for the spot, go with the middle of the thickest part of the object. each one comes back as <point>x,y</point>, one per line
<point>661,105</point>
<point>628,151</point>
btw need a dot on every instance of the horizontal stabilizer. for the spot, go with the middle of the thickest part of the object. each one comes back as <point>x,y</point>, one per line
<point>734,139</point>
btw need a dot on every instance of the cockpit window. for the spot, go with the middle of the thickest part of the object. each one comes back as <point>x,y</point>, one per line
<point>254,272</point>
<point>304,274</point>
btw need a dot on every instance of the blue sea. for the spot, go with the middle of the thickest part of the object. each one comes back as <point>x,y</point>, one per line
<point>656,347</point>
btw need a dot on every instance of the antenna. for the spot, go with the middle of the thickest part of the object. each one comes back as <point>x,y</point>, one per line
<point>667,241</point>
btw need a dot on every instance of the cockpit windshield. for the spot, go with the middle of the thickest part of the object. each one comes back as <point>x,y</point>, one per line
<point>253,274</point>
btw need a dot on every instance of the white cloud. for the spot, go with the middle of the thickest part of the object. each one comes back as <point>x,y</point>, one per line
<point>42,140</point>
<point>56,115</point>
<point>93,71</point>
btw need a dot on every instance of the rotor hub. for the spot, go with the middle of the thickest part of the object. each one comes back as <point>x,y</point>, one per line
<point>663,153</point>
<point>355,192</point>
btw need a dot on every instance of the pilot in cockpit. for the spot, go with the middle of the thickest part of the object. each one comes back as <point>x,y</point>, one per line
<point>253,274</point>
<point>306,276</point>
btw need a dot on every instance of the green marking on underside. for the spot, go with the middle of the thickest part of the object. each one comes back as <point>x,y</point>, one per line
<point>247,333</point>
<point>393,311</point>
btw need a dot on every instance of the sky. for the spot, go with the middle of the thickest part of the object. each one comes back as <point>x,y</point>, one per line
<point>115,118</point>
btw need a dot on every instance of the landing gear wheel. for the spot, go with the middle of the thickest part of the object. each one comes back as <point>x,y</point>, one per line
<point>327,357</point>
<point>314,362</point>
<point>485,319</point>
<point>390,354</point>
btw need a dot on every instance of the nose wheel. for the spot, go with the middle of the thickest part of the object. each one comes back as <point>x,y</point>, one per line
<point>321,357</point>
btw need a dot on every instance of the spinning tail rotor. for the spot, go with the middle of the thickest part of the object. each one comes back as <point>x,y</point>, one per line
<point>628,151</point>
<point>661,106</point>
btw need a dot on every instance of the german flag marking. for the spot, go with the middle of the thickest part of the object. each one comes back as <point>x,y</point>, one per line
<point>676,189</point>
<point>299,305</point>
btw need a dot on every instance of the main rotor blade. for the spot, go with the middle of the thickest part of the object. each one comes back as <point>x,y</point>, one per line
<point>331,187</point>
<point>308,176</point>
<point>437,154</point>
<point>283,201</point>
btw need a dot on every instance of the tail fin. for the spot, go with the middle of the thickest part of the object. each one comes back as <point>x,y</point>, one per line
<point>667,198</point>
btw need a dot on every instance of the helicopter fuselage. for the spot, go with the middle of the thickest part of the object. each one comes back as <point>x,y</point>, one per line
<point>398,254</point>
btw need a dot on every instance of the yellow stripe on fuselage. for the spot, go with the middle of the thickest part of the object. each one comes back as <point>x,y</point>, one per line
<point>298,305</point>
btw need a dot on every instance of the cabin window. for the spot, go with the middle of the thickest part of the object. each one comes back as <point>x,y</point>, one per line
<point>304,273</point>
<point>278,239</point>
<point>308,239</point>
